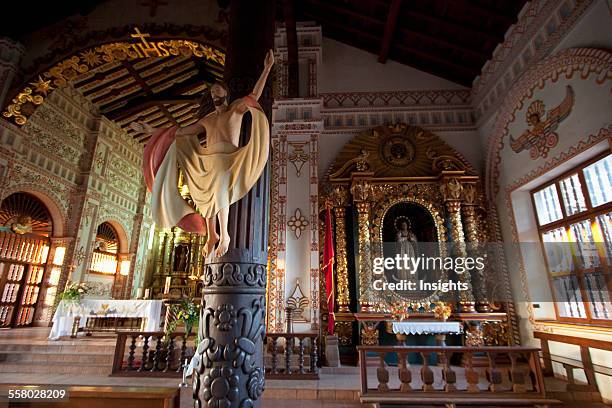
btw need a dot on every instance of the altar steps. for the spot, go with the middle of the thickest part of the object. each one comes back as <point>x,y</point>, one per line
<point>86,356</point>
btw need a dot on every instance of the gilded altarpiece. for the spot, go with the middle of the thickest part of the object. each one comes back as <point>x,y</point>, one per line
<point>398,178</point>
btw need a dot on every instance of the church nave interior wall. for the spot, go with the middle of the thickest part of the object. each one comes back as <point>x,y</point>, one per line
<point>88,172</point>
<point>562,103</point>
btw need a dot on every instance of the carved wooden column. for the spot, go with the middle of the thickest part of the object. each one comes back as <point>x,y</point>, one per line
<point>361,190</point>
<point>160,255</point>
<point>451,189</point>
<point>470,222</point>
<point>342,286</point>
<point>230,370</point>
<point>10,56</point>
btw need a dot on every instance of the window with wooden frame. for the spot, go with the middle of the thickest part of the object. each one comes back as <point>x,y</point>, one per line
<point>574,216</point>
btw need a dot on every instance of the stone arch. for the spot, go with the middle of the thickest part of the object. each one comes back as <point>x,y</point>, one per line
<point>124,241</point>
<point>78,61</point>
<point>58,218</point>
<point>568,62</point>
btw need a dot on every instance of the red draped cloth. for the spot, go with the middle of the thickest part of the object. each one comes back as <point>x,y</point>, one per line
<point>328,270</point>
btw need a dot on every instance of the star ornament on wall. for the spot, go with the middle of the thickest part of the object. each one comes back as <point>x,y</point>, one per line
<point>41,86</point>
<point>297,223</point>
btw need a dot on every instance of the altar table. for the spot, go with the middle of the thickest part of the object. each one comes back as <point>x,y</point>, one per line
<point>67,311</point>
<point>440,329</point>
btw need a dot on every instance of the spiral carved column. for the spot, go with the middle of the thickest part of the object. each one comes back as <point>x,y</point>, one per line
<point>361,190</point>
<point>451,190</point>
<point>470,221</point>
<point>342,287</point>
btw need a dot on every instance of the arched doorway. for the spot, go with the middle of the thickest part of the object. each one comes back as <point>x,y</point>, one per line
<point>104,258</point>
<point>25,228</point>
<point>110,265</point>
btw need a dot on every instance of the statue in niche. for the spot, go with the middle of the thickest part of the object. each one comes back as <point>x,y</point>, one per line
<point>217,175</point>
<point>181,258</point>
<point>23,225</point>
<point>404,238</point>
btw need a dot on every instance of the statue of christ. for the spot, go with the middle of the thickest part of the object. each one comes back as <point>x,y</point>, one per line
<point>216,175</point>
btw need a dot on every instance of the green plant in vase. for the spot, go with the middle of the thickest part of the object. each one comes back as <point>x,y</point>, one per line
<point>73,292</point>
<point>187,313</point>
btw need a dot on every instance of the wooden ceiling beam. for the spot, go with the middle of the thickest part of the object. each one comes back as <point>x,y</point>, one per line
<point>147,89</point>
<point>469,7</point>
<point>140,105</point>
<point>467,30</point>
<point>454,72</point>
<point>385,45</point>
<point>372,37</point>
<point>182,70</point>
<point>335,10</point>
<point>172,95</point>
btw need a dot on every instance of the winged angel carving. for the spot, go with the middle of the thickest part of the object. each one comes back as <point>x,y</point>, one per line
<point>541,137</point>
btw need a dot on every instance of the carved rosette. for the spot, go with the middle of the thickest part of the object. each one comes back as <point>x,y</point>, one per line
<point>229,359</point>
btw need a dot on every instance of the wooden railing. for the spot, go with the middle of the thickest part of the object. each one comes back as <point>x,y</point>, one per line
<point>585,363</point>
<point>292,355</point>
<point>513,376</point>
<point>149,354</point>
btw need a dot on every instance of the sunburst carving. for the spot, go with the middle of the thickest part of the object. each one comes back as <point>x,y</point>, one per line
<point>23,213</point>
<point>398,151</point>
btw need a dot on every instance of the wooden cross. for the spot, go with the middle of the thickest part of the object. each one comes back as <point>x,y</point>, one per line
<point>153,4</point>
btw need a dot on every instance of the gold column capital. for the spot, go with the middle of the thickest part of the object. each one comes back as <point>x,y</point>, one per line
<point>361,188</point>
<point>339,197</point>
<point>470,194</point>
<point>451,189</point>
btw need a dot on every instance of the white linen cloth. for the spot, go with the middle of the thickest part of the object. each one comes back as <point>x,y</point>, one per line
<point>427,327</point>
<point>68,310</point>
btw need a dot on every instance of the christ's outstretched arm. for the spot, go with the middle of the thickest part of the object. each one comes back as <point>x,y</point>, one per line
<point>261,82</point>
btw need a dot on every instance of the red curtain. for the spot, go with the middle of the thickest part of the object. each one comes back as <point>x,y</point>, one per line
<point>328,270</point>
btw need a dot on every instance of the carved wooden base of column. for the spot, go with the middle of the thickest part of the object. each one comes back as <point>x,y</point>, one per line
<point>467,307</point>
<point>229,370</point>
<point>483,307</point>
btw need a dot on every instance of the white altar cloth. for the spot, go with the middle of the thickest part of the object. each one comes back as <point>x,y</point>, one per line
<point>427,327</point>
<point>149,310</point>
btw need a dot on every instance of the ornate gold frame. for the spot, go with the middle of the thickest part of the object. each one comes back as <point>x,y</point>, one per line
<point>430,174</point>
<point>379,213</point>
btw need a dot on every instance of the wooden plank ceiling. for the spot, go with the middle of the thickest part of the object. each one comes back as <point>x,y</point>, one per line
<point>451,39</point>
<point>160,91</point>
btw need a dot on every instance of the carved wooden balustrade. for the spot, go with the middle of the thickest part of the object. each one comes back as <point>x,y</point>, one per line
<point>513,376</point>
<point>292,355</point>
<point>148,354</point>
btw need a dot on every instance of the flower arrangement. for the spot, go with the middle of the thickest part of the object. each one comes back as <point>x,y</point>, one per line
<point>442,311</point>
<point>188,313</point>
<point>399,311</point>
<point>74,291</point>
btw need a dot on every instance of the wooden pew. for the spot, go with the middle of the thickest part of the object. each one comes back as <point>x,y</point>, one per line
<point>102,397</point>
